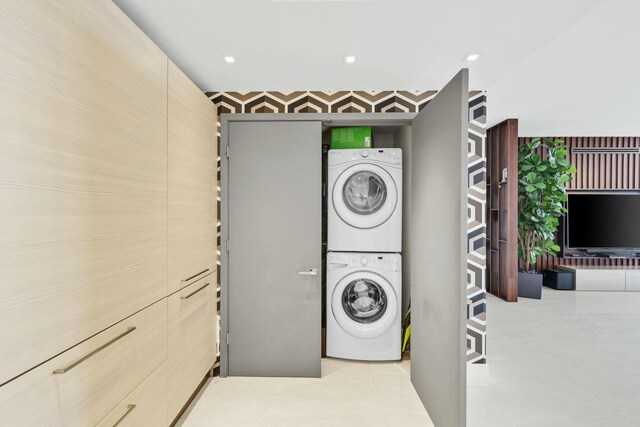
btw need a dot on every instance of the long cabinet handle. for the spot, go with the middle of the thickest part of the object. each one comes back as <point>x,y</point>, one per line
<point>79,360</point>
<point>129,409</point>
<point>194,276</point>
<point>196,291</point>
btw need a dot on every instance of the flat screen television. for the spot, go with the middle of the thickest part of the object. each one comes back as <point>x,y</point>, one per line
<point>603,222</point>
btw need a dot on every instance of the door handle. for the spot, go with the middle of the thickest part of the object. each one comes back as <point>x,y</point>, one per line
<point>309,272</point>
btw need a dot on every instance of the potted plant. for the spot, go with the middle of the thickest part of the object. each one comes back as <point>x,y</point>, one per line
<point>543,173</point>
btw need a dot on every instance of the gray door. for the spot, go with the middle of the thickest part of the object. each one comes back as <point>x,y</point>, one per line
<point>438,253</point>
<point>274,230</point>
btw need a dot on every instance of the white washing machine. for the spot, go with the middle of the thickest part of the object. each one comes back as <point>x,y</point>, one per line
<point>364,297</point>
<point>365,200</point>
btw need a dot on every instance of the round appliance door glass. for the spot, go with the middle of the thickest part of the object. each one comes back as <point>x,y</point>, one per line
<point>364,301</point>
<point>364,193</point>
<point>364,304</point>
<point>364,196</point>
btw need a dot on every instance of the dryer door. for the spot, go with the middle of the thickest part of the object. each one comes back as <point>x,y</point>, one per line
<point>365,195</point>
<point>364,304</point>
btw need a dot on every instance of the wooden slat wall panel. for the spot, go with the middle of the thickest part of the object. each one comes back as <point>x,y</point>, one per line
<point>600,171</point>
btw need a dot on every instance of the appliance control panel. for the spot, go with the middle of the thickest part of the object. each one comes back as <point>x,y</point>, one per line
<point>386,155</point>
<point>391,262</point>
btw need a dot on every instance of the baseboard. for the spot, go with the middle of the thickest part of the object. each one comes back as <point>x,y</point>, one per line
<point>477,373</point>
<point>184,409</point>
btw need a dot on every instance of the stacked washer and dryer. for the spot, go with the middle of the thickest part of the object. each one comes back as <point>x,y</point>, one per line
<point>364,242</point>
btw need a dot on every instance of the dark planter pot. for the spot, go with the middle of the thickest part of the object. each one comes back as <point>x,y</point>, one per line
<point>558,279</point>
<point>530,285</point>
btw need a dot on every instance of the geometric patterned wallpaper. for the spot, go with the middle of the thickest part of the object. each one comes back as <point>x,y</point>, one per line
<point>476,229</point>
<point>389,102</point>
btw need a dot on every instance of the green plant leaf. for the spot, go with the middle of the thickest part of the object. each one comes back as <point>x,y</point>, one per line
<point>541,193</point>
<point>405,341</point>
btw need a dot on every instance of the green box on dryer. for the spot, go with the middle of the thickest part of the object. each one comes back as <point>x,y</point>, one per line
<point>351,137</point>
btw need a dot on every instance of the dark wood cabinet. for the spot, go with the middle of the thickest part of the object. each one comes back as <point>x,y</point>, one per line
<point>502,210</point>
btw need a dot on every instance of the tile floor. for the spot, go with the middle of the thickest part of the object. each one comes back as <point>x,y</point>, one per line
<point>571,359</point>
<point>348,394</point>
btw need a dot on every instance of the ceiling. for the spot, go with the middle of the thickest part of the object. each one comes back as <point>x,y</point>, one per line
<point>561,67</point>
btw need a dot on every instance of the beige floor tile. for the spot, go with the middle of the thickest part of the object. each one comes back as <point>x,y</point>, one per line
<point>569,359</point>
<point>348,394</point>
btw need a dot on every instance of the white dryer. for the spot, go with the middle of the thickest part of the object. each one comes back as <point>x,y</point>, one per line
<point>364,297</point>
<point>365,200</point>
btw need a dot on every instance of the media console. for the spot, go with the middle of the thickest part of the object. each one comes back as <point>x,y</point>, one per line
<point>602,278</point>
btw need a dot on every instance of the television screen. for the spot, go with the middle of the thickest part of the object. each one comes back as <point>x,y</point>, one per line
<point>603,221</point>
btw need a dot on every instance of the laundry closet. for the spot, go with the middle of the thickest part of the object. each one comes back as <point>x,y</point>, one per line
<point>283,254</point>
<point>363,207</point>
<point>386,165</point>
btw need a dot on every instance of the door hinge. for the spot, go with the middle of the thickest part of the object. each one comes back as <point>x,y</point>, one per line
<point>227,151</point>
<point>227,339</point>
<point>226,244</point>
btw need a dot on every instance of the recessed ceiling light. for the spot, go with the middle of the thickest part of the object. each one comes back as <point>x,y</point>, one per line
<point>472,57</point>
<point>349,59</point>
<point>229,59</point>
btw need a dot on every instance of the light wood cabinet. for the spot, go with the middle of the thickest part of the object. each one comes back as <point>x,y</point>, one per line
<point>108,205</point>
<point>83,171</point>
<point>192,340</point>
<point>146,406</point>
<point>82,385</point>
<point>633,280</point>
<point>192,184</point>
<point>597,278</point>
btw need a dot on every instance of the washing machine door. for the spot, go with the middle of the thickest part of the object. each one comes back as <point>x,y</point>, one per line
<point>365,195</point>
<point>364,304</point>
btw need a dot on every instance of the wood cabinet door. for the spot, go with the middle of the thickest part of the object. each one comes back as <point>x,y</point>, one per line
<point>82,385</point>
<point>146,406</point>
<point>192,182</point>
<point>192,340</point>
<point>83,175</point>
